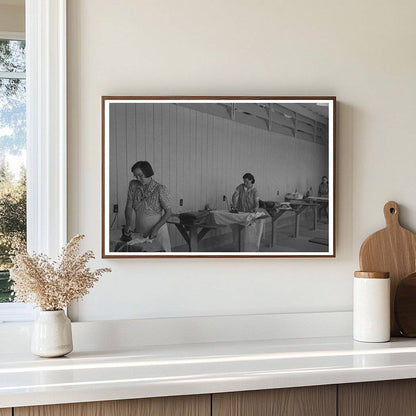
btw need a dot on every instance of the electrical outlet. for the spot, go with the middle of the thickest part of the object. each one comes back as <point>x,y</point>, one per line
<point>115,208</point>
<point>224,198</point>
<point>181,202</point>
<point>277,193</point>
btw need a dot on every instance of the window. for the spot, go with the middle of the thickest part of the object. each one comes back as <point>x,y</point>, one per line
<point>45,125</point>
<point>12,155</point>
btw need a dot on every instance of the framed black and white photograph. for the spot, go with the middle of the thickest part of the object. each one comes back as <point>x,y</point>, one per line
<point>218,176</point>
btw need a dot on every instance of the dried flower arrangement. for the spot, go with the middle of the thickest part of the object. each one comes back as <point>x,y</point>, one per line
<point>52,285</point>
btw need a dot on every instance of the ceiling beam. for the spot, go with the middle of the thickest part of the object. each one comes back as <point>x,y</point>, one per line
<point>306,112</point>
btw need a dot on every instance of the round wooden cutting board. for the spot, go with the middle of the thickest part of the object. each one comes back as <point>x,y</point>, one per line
<point>405,306</point>
<point>393,250</point>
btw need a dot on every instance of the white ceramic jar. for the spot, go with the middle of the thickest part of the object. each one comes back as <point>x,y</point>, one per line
<point>52,334</point>
<point>371,307</point>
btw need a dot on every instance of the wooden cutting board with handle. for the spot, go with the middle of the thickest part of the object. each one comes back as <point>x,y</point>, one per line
<point>393,250</point>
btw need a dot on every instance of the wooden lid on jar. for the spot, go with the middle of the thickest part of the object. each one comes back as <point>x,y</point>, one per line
<point>372,275</point>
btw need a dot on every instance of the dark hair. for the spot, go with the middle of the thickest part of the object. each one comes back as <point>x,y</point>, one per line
<point>145,167</point>
<point>324,177</point>
<point>249,176</point>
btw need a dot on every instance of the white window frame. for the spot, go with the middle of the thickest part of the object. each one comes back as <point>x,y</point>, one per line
<point>46,125</point>
<point>14,312</point>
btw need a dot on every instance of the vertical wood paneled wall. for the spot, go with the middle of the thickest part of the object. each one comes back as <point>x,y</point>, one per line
<point>201,157</point>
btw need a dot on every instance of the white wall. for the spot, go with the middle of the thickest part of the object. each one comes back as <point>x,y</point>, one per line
<point>361,51</point>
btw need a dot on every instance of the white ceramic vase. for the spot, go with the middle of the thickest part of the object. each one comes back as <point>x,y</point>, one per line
<point>52,334</point>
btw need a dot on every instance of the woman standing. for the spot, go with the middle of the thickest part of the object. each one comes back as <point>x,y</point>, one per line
<point>150,202</point>
<point>323,193</point>
<point>246,199</point>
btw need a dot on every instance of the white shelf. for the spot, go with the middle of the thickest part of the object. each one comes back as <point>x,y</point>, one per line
<point>148,371</point>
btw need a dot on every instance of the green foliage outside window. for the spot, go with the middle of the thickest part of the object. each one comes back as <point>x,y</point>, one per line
<point>12,223</point>
<point>12,147</point>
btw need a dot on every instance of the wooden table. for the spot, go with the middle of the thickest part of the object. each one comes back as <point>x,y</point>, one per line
<point>299,206</point>
<point>321,201</point>
<point>276,214</point>
<point>192,233</point>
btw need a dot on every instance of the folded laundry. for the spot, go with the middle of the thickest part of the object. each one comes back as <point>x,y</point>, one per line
<point>284,205</point>
<point>138,243</point>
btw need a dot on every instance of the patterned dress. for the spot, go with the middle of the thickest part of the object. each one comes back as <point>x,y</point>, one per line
<point>149,203</point>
